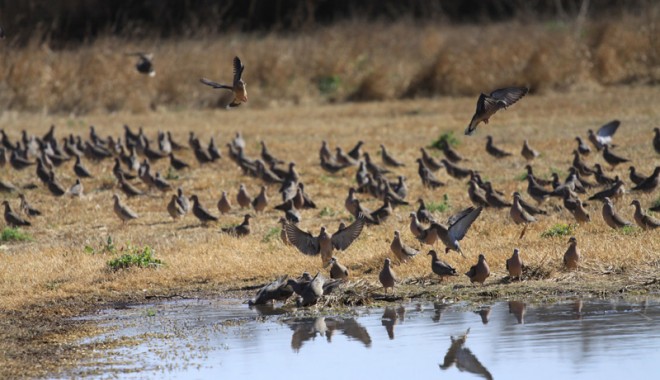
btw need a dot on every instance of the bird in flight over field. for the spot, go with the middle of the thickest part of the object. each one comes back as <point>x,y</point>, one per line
<point>237,87</point>
<point>487,105</point>
<point>144,64</point>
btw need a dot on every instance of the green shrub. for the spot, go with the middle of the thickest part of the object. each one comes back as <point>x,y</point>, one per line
<point>559,229</point>
<point>439,206</point>
<point>135,257</point>
<point>444,139</point>
<point>14,234</point>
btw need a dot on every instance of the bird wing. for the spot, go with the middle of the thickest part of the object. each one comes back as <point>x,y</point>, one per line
<point>214,84</point>
<point>505,97</point>
<point>238,70</point>
<point>458,229</point>
<point>304,241</point>
<point>454,218</point>
<point>342,239</point>
<point>605,133</point>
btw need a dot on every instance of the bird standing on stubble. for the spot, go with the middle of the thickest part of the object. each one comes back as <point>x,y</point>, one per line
<point>387,277</point>
<point>643,220</point>
<point>440,267</point>
<point>237,87</point>
<point>337,271</point>
<point>12,218</point>
<point>122,211</point>
<point>487,105</point>
<point>480,271</point>
<point>144,64</point>
<point>515,265</point>
<point>572,254</point>
<point>201,212</point>
<point>611,217</point>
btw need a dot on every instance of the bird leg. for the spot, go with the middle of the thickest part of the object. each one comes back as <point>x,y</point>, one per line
<point>523,232</point>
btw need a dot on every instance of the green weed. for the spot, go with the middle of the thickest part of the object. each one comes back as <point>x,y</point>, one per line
<point>559,229</point>
<point>439,206</point>
<point>444,139</point>
<point>14,234</point>
<point>273,232</point>
<point>135,257</point>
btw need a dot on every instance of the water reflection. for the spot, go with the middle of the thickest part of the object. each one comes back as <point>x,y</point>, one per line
<point>517,308</point>
<point>391,317</point>
<point>484,313</point>
<point>307,329</point>
<point>463,358</point>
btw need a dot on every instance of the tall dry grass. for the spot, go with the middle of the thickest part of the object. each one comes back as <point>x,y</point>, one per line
<point>352,60</point>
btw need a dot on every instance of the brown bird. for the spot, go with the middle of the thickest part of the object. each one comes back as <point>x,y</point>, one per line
<point>455,171</point>
<point>611,217</point>
<point>572,255</point>
<point>243,197</point>
<point>440,267</point>
<point>27,208</point>
<point>174,209</point>
<point>430,162</point>
<point>237,87</point>
<point>201,212</point>
<point>603,136</point>
<point>528,152</point>
<point>128,189</point>
<point>536,191</point>
<point>260,202</point>
<point>224,206</point>
<point>12,218</point>
<point>324,243</point>
<point>477,195</point>
<point>387,277</point>
<point>402,251</point>
<point>277,290</point>
<point>7,187</point>
<point>601,177</point>
<point>480,271</point>
<point>356,152</point>
<point>650,183</point>
<point>240,230</point>
<point>519,214</point>
<point>487,105</point>
<point>580,165</point>
<point>646,222</point>
<point>416,228</point>
<point>493,150</point>
<point>429,180</point>
<point>451,154</point>
<point>495,198</point>
<point>177,163</point>
<point>515,265</point>
<point>388,160</point>
<point>122,211</point>
<point>337,271</point>
<point>161,183</point>
<point>540,181</point>
<point>612,158</point>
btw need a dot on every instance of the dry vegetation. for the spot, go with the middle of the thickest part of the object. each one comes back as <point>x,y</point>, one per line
<point>345,61</point>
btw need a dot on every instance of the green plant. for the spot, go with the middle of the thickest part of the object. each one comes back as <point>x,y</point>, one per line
<point>135,257</point>
<point>328,84</point>
<point>14,234</point>
<point>171,174</point>
<point>628,230</point>
<point>107,246</point>
<point>559,229</point>
<point>439,206</point>
<point>151,312</point>
<point>445,139</point>
<point>327,211</point>
<point>273,232</point>
<point>521,177</point>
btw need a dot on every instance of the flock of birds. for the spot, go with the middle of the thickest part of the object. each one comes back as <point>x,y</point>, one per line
<point>132,158</point>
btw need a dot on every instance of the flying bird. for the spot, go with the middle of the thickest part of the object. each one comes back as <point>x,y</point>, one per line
<point>237,87</point>
<point>487,105</point>
<point>604,134</point>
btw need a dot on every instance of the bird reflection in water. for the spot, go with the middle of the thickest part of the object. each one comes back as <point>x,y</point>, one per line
<point>463,358</point>
<point>391,317</point>
<point>517,308</point>
<point>577,308</point>
<point>438,308</point>
<point>307,329</point>
<point>484,313</point>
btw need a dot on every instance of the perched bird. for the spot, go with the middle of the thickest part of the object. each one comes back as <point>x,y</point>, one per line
<point>122,211</point>
<point>580,165</point>
<point>477,195</point>
<point>582,147</point>
<point>237,87</point>
<point>402,251</point>
<point>260,202</point>
<point>161,183</point>
<point>650,183</point>
<point>480,271</point>
<point>278,290</point>
<point>572,254</point>
<point>415,228</point>
<point>243,197</point>
<point>224,206</point>
<point>515,265</point>
<point>540,181</point>
<point>611,217</point>
<point>495,198</point>
<point>440,267</point>
<point>493,150</point>
<point>604,134</point>
<point>383,213</point>
<point>12,218</point>
<point>7,187</point>
<point>201,212</point>
<point>80,170</point>
<point>144,64</point>
<point>27,208</point>
<point>528,152</point>
<point>387,277</point>
<point>388,160</point>
<point>240,230</point>
<point>174,208</point>
<point>643,220</point>
<point>77,189</point>
<point>337,271</point>
<point>487,105</point>
<point>324,243</point>
<point>612,158</point>
<point>519,214</point>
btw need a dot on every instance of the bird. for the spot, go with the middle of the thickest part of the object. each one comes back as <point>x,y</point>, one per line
<point>122,211</point>
<point>493,150</point>
<point>612,158</point>
<point>488,105</point>
<point>80,170</point>
<point>240,230</point>
<point>128,189</point>
<point>260,202</point>
<point>540,181</point>
<point>580,165</point>
<point>477,195</point>
<point>604,134</point>
<point>27,208</point>
<point>650,183</point>
<point>455,171</point>
<point>174,208</point>
<point>519,214</point>
<point>388,160</point>
<point>278,290</point>
<point>480,271</point>
<point>635,177</point>
<point>601,178</point>
<point>12,218</point>
<point>429,179</point>
<point>7,187</point>
<point>451,154</point>
<point>324,243</point>
<point>494,197</point>
<point>646,222</point>
<point>161,183</point>
<point>572,255</point>
<point>224,206</point>
<point>144,64</point>
<point>54,186</point>
<point>177,163</point>
<point>440,267</point>
<point>309,291</point>
<point>423,214</point>
<point>238,86</point>
<point>536,191</point>
<point>77,189</point>
<point>458,226</point>
<point>528,152</point>
<point>337,271</point>
<point>201,212</point>
<point>387,277</point>
<point>582,147</point>
<point>611,217</point>
<point>383,213</point>
<point>402,251</point>
<point>615,191</point>
<point>656,140</point>
<point>283,236</point>
<point>430,162</point>
<point>515,265</point>
<point>243,197</point>
<point>356,152</point>
<point>182,200</point>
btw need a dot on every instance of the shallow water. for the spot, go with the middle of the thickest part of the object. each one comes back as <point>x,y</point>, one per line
<point>507,340</point>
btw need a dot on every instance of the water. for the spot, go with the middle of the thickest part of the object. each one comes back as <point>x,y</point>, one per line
<point>506,340</point>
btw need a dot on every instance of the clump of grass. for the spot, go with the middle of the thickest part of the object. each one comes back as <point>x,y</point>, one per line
<point>107,246</point>
<point>14,234</point>
<point>439,206</point>
<point>171,174</point>
<point>273,232</point>
<point>521,177</point>
<point>328,84</point>
<point>559,229</point>
<point>445,139</point>
<point>327,211</point>
<point>135,257</point>
<point>628,230</point>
